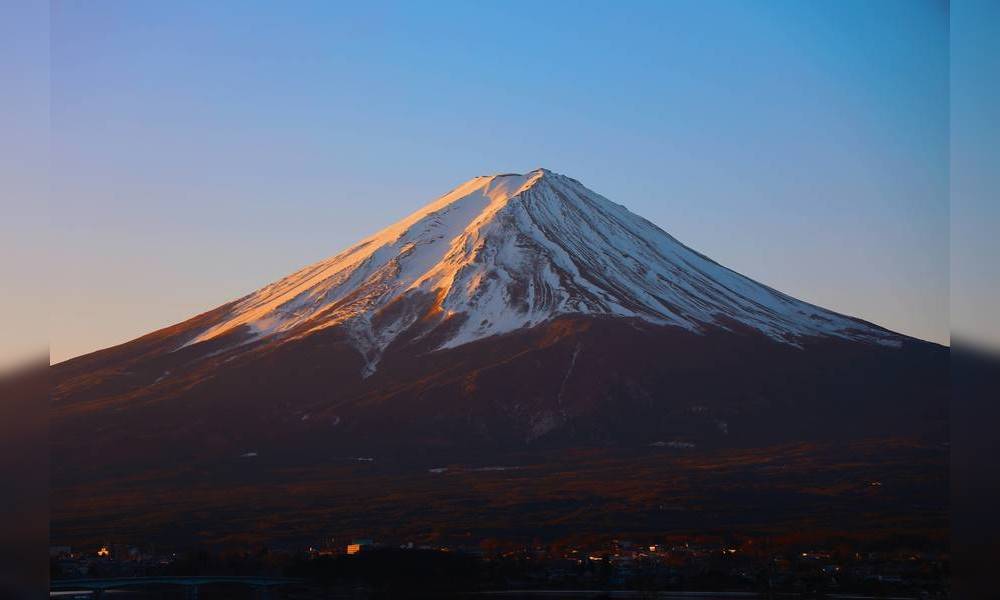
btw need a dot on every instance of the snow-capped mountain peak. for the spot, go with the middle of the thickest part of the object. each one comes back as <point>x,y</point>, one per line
<point>502,252</point>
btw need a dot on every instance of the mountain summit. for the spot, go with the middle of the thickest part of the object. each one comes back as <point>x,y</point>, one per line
<point>503,252</point>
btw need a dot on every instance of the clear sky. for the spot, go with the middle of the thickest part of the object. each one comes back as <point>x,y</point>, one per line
<point>203,149</point>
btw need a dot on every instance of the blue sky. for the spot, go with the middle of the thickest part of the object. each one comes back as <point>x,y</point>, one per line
<point>202,150</point>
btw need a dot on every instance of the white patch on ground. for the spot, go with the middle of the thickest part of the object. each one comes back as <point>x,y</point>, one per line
<point>673,444</point>
<point>569,371</point>
<point>441,470</point>
<point>491,469</point>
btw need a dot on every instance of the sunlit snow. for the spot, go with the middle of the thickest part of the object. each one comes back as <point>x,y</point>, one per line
<point>509,251</point>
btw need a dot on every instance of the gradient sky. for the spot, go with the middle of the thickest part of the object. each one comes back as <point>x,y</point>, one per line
<point>24,147</point>
<point>204,149</point>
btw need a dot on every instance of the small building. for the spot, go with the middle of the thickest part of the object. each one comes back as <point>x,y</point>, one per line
<point>358,546</point>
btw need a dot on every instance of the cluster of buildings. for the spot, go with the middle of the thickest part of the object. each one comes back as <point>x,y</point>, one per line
<point>332,547</point>
<point>696,564</point>
<point>750,565</point>
<point>117,560</point>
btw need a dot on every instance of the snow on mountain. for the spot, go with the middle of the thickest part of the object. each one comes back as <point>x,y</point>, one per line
<point>510,251</point>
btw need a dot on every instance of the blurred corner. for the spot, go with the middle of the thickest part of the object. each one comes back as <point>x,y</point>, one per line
<point>24,534</point>
<point>975,296</point>
<point>24,286</point>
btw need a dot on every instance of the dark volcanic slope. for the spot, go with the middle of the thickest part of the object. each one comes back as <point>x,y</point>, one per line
<point>572,382</point>
<point>810,491</point>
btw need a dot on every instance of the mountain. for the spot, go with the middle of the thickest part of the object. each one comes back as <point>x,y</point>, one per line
<point>505,252</point>
<point>517,317</point>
